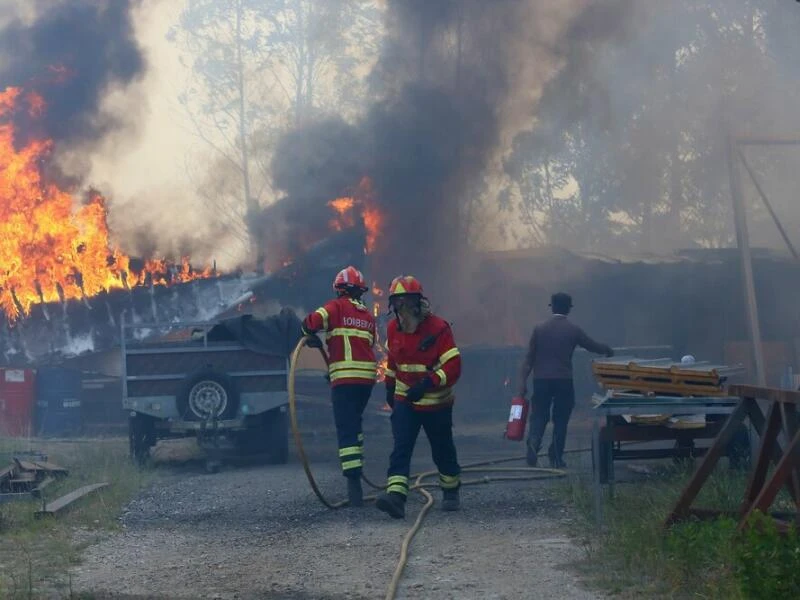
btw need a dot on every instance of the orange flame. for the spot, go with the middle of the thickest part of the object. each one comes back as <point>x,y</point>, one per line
<point>363,203</point>
<point>50,249</point>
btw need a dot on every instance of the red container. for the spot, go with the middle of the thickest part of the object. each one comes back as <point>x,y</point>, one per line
<point>515,428</point>
<point>17,397</point>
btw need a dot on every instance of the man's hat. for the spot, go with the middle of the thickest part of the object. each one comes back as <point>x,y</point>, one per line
<point>561,300</point>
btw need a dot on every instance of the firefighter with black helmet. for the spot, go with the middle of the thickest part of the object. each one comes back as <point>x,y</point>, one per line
<point>350,334</point>
<point>423,366</point>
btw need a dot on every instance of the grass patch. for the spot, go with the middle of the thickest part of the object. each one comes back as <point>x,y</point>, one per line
<point>635,557</point>
<point>36,554</point>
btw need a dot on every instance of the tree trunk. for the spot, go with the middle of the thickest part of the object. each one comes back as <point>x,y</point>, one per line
<point>301,67</point>
<point>251,203</point>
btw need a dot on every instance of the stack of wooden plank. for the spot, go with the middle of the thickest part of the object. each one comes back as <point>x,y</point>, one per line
<point>23,478</point>
<point>662,376</point>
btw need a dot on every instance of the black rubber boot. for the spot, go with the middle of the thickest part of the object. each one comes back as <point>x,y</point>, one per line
<point>451,500</point>
<point>393,504</point>
<point>355,496</point>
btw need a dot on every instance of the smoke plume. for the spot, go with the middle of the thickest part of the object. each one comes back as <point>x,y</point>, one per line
<point>456,82</point>
<point>71,52</point>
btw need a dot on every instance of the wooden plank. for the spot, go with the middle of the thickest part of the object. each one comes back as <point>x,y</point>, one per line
<point>63,502</point>
<point>37,491</point>
<point>790,418</point>
<point>765,393</point>
<point>715,452</point>
<point>25,465</point>
<point>766,453</point>
<point>50,468</point>
<point>683,390</point>
<point>779,479</point>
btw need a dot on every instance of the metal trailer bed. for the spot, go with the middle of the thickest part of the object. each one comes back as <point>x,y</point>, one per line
<point>180,384</point>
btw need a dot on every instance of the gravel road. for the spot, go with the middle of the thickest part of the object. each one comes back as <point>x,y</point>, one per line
<point>258,532</point>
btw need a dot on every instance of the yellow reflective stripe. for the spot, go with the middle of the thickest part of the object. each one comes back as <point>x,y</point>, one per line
<point>411,368</point>
<point>367,365</point>
<point>448,482</point>
<point>442,376</point>
<point>397,483</point>
<point>324,314</point>
<point>351,464</point>
<point>435,395</point>
<point>446,357</point>
<point>347,332</point>
<point>388,373</point>
<point>353,374</point>
<point>434,399</point>
<point>349,451</point>
<point>452,353</point>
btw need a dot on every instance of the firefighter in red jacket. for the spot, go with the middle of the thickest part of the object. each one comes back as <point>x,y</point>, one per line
<point>350,333</point>
<point>423,366</point>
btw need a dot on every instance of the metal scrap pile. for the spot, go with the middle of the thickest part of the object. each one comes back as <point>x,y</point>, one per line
<point>24,479</point>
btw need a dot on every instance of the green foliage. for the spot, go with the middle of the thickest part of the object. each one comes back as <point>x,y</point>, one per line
<point>634,556</point>
<point>36,555</point>
<point>767,562</point>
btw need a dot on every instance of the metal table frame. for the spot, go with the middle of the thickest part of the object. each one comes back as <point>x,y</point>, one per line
<point>613,406</point>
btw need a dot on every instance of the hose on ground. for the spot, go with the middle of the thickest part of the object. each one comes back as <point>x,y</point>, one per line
<point>419,486</point>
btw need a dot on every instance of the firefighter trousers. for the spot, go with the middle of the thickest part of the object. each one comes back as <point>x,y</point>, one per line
<point>438,426</point>
<point>349,401</point>
<point>557,395</point>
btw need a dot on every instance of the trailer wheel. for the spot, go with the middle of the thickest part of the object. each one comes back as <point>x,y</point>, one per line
<point>266,437</point>
<point>277,431</point>
<point>141,437</point>
<point>208,394</point>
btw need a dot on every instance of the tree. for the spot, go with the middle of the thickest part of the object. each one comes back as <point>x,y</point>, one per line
<point>256,68</point>
<point>641,124</point>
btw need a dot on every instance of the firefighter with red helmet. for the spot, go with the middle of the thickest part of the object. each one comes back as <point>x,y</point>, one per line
<point>350,334</point>
<point>423,366</point>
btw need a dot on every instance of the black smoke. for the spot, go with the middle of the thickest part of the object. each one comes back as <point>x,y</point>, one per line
<point>452,79</point>
<point>71,54</point>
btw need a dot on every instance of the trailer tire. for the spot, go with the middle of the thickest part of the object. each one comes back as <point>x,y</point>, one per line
<point>141,437</point>
<point>208,394</point>
<point>266,437</point>
<point>277,432</point>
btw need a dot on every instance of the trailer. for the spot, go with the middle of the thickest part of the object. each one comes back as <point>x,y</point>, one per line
<point>223,382</point>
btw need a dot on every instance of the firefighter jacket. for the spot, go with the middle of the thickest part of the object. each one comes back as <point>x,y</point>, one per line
<point>428,352</point>
<point>350,334</point>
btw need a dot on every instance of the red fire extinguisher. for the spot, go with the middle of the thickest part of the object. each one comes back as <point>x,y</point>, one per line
<point>515,428</point>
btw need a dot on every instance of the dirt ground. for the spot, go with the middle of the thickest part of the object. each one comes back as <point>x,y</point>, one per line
<point>258,532</point>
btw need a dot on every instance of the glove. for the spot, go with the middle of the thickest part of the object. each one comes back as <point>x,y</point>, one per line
<point>390,396</point>
<point>313,341</point>
<point>417,391</point>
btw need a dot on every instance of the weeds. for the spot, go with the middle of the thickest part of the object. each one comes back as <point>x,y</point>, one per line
<point>634,556</point>
<point>36,555</point>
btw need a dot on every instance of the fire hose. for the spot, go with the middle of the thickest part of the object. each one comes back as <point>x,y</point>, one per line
<point>486,467</point>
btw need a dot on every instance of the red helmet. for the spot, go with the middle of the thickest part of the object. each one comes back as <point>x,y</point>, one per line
<point>404,285</point>
<point>350,277</point>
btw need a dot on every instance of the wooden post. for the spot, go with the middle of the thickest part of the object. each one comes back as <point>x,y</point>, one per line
<point>710,460</point>
<point>743,243</point>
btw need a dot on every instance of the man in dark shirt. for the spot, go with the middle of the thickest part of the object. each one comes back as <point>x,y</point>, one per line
<point>550,358</point>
